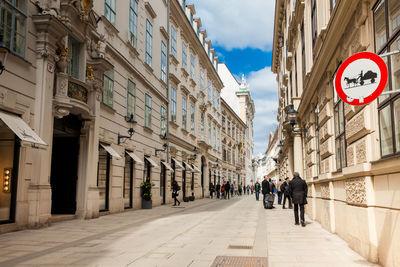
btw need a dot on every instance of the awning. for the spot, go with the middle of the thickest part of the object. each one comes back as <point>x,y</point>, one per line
<point>111,151</point>
<point>22,130</point>
<point>178,163</point>
<point>189,168</point>
<point>152,162</point>
<point>167,166</point>
<point>196,169</point>
<point>134,157</point>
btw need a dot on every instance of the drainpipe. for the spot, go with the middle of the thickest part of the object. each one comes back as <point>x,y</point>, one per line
<point>168,31</point>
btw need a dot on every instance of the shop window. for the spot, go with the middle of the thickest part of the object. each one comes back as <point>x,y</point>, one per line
<point>103,178</point>
<point>128,182</point>
<point>9,150</point>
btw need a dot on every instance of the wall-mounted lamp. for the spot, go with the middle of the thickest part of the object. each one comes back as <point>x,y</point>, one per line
<point>130,131</point>
<point>292,116</point>
<point>161,150</point>
<point>3,54</point>
<point>7,180</point>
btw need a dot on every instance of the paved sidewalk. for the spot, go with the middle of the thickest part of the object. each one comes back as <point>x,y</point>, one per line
<point>191,236</point>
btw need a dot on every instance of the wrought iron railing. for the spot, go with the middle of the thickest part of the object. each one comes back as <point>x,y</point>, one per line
<point>77,91</point>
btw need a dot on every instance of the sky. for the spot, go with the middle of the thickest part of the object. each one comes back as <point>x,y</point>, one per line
<point>242,34</point>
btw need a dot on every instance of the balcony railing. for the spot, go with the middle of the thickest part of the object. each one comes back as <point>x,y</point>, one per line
<point>77,91</point>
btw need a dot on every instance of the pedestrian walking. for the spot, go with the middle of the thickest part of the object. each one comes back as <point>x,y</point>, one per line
<point>298,191</point>
<point>267,192</point>
<point>257,189</point>
<point>240,189</point>
<point>279,191</point>
<point>236,190</point>
<point>212,189</point>
<point>232,189</point>
<point>175,192</point>
<point>218,190</point>
<point>286,195</point>
<point>227,189</point>
<point>248,189</point>
<point>252,189</point>
<point>223,191</point>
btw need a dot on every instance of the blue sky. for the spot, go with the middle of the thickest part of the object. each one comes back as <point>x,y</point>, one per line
<point>242,33</point>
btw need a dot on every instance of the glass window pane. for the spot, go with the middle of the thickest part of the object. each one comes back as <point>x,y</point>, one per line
<point>341,116</point>
<point>338,154</point>
<point>380,25</point>
<point>343,151</point>
<point>394,16</point>
<point>336,121</point>
<point>396,108</point>
<point>21,5</point>
<point>386,131</point>
<point>395,64</point>
<point>382,98</point>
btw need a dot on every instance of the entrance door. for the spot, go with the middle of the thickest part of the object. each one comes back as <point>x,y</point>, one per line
<point>184,180</point>
<point>128,182</point>
<point>162,183</point>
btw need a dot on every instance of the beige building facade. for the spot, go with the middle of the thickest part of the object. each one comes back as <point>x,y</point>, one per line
<point>97,96</point>
<point>233,152</point>
<point>349,155</point>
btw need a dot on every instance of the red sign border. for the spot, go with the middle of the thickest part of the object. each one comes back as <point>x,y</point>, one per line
<point>384,77</point>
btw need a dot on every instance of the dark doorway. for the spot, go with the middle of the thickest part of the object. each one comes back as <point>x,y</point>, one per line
<point>64,164</point>
<point>184,180</point>
<point>162,183</point>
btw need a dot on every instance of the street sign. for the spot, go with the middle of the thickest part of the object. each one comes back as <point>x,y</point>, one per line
<point>361,78</point>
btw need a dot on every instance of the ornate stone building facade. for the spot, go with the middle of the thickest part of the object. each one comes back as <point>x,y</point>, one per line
<point>349,155</point>
<point>233,153</point>
<point>97,96</point>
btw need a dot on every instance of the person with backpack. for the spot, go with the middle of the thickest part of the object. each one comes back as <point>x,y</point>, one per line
<point>257,189</point>
<point>175,192</point>
<point>286,195</point>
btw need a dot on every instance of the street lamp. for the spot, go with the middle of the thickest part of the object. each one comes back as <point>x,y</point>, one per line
<point>292,116</point>
<point>3,54</point>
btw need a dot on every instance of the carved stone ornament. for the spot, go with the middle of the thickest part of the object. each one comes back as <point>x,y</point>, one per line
<point>356,191</point>
<point>50,7</point>
<point>325,193</point>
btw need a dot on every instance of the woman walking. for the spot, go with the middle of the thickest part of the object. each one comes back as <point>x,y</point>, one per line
<point>212,189</point>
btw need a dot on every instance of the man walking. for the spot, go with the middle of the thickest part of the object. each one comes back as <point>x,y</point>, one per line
<point>257,189</point>
<point>285,190</point>
<point>298,192</point>
<point>266,190</point>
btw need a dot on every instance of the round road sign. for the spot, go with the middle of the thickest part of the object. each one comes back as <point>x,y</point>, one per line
<point>361,78</point>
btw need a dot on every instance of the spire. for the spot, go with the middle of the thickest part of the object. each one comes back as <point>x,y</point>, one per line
<point>244,86</point>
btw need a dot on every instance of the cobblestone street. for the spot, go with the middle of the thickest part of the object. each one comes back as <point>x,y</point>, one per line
<point>193,234</point>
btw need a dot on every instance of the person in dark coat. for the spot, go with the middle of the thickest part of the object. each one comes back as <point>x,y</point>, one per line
<point>212,189</point>
<point>266,189</point>
<point>298,192</point>
<point>218,190</point>
<point>285,190</point>
<point>227,189</point>
<point>175,192</point>
<point>257,189</point>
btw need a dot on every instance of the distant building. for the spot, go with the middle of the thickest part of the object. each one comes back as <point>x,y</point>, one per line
<point>238,96</point>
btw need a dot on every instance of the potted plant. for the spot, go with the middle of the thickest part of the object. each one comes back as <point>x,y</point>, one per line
<point>146,194</point>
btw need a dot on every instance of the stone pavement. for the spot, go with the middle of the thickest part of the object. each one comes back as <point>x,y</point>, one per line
<point>190,236</point>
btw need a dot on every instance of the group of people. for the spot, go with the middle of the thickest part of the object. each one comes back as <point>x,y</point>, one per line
<point>228,190</point>
<point>294,191</point>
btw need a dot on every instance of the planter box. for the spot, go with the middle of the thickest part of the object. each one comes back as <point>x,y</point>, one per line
<point>147,204</point>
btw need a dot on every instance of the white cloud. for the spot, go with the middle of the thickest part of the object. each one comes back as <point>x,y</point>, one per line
<point>238,23</point>
<point>264,93</point>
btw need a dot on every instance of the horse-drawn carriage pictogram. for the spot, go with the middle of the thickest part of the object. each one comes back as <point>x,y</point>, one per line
<point>361,79</point>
